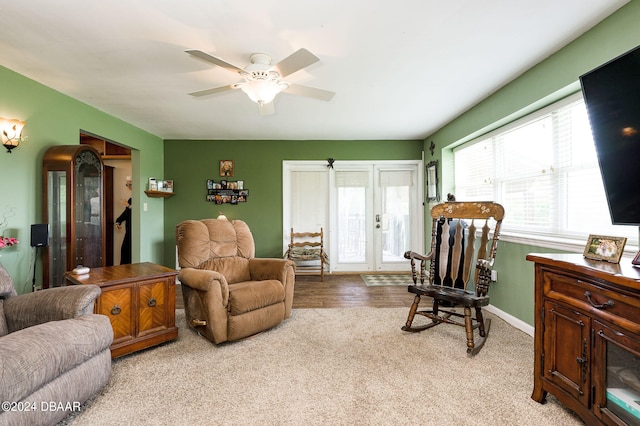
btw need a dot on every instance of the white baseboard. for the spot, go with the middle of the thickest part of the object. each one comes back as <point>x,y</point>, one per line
<point>511,320</point>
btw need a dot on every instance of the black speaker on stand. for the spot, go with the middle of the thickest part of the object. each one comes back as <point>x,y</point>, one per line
<point>39,238</point>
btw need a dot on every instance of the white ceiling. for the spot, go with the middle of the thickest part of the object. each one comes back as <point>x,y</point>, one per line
<point>400,69</point>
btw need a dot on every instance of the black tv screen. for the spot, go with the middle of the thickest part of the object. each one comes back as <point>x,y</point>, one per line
<point>612,96</point>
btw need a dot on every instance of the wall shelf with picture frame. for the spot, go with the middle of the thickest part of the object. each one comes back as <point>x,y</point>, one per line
<point>158,194</point>
<point>159,188</point>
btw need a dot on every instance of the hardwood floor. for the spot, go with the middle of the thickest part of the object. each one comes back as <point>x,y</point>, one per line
<point>339,291</point>
<point>349,290</point>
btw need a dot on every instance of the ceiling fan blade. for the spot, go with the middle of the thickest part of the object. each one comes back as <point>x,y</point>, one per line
<point>296,61</point>
<point>310,92</point>
<point>216,61</point>
<point>267,109</point>
<point>214,90</point>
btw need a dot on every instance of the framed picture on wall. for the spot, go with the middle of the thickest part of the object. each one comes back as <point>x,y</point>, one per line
<point>226,168</point>
<point>432,181</point>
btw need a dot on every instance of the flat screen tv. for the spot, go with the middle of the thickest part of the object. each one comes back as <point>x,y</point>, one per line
<point>612,96</point>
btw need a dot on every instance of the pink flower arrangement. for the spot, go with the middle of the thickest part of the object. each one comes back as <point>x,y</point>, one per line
<point>7,241</point>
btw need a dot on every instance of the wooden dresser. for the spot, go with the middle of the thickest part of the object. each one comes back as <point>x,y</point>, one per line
<point>587,336</point>
<point>140,301</point>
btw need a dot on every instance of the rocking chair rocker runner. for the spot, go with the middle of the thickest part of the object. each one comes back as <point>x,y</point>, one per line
<point>454,224</point>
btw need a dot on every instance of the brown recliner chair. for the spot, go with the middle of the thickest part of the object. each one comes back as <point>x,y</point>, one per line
<point>228,293</point>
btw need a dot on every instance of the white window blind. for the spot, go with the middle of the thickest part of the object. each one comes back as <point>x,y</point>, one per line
<point>396,178</point>
<point>346,179</point>
<point>309,192</point>
<point>544,170</point>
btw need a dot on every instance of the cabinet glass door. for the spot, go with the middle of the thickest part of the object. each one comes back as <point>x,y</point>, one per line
<point>88,210</point>
<point>57,208</point>
<point>619,377</point>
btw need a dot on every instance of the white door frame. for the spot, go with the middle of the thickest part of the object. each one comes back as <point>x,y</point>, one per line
<point>417,219</point>
<point>373,255</point>
<point>287,168</point>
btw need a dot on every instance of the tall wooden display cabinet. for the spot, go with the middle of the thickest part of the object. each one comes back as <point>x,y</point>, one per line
<point>73,206</point>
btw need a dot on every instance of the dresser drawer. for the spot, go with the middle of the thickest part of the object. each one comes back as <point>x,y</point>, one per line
<point>152,311</point>
<point>589,297</point>
<point>117,305</point>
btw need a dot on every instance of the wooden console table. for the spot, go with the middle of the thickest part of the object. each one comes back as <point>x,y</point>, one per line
<point>587,337</point>
<point>140,301</point>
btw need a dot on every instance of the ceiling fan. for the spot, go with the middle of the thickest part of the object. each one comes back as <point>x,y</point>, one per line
<point>262,82</point>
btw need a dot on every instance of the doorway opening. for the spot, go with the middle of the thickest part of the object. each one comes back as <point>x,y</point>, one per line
<point>118,169</point>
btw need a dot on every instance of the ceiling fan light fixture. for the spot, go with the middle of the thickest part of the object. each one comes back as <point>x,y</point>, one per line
<point>262,87</point>
<point>262,82</point>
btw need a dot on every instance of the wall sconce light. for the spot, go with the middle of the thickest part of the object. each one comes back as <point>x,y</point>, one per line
<point>11,132</point>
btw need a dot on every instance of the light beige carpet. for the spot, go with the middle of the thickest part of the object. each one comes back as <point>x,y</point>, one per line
<point>351,366</point>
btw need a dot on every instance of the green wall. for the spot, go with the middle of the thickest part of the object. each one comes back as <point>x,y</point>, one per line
<point>549,81</point>
<point>53,118</point>
<point>259,163</point>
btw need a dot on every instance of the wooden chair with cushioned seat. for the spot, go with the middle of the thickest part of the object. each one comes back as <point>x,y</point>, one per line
<point>448,283</point>
<point>306,249</point>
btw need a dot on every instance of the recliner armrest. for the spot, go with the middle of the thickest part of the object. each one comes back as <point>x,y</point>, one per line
<point>205,280</point>
<point>53,304</point>
<point>269,269</point>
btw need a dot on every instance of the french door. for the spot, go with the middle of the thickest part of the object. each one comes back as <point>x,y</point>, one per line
<point>371,212</point>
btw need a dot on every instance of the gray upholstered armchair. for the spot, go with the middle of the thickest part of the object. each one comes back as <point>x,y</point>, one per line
<point>228,293</point>
<point>53,349</point>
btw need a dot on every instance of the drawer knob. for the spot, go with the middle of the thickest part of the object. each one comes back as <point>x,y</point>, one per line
<point>607,304</point>
<point>116,310</point>
<point>151,303</point>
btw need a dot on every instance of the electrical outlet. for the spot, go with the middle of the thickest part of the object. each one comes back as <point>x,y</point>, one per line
<point>494,275</point>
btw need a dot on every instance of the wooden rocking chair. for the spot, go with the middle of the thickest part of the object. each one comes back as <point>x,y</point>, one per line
<point>450,268</point>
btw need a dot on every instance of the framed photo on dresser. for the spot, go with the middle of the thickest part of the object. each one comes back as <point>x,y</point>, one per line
<point>601,247</point>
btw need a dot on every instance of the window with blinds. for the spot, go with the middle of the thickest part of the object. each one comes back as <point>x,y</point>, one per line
<point>544,170</point>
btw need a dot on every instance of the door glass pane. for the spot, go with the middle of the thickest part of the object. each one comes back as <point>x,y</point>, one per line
<point>352,187</point>
<point>351,225</point>
<point>395,223</point>
<point>395,193</point>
